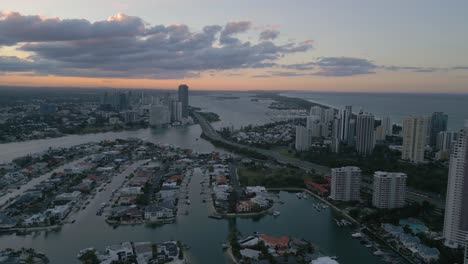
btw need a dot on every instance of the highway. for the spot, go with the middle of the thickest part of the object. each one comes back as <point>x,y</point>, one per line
<point>412,195</point>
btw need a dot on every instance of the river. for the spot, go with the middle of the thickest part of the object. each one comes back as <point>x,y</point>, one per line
<point>298,218</point>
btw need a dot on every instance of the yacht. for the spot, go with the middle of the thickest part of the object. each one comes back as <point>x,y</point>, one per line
<point>276,213</point>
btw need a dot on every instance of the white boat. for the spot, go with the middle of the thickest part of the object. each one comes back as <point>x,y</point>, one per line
<point>276,213</point>
<point>187,202</point>
<point>357,235</point>
<point>378,253</point>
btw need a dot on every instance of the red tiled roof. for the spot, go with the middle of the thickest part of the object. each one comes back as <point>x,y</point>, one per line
<point>284,240</point>
<point>322,187</point>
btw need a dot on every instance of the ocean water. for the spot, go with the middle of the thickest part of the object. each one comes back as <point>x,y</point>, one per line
<point>396,105</point>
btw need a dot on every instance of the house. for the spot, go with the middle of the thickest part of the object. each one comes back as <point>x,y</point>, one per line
<point>249,241</point>
<point>250,253</point>
<point>427,254</point>
<point>323,189</point>
<point>245,206</point>
<point>155,213</point>
<point>249,190</point>
<point>408,240</point>
<point>120,252</point>
<point>59,212</point>
<point>280,244</point>
<point>73,196</point>
<point>395,231</point>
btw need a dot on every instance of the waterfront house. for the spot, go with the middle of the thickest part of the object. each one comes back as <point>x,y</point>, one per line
<point>155,213</point>
<point>245,206</point>
<point>395,231</point>
<point>248,253</point>
<point>322,189</point>
<point>279,244</point>
<point>427,254</point>
<point>120,252</point>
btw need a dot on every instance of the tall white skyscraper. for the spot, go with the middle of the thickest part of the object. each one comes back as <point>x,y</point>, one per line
<point>456,205</point>
<point>445,140</point>
<point>303,138</point>
<point>344,126</point>
<point>414,138</point>
<point>329,115</point>
<point>345,184</point>
<point>365,141</point>
<point>389,190</point>
<point>318,111</point>
<point>176,113</point>
<point>387,126</point>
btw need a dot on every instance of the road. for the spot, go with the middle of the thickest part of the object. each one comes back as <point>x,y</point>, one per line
<point>235,178</point>
<point>411,194</point>
<point>4,200</point>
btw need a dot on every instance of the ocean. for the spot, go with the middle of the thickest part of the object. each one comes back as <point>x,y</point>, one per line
<point>395,105</point>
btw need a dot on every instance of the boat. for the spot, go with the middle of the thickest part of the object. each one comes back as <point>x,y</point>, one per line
<point>334,257</point>
<point>187,202</point>
<point>356,235</point>
<point>299,195</point>
<point>378,253</point>
<point>276,213</point>
<point>218,217</point>
<point>73,221</point>
<point>224,246</point>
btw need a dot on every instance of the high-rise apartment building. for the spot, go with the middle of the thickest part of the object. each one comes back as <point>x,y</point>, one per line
<point>438,124</point>
<point>389,190</point>
<point>184,99</point>
<point>414,138</point>
<point>345,184</point>
<point>456,204</point>
<point>365,141</point>
<point>303,138</point>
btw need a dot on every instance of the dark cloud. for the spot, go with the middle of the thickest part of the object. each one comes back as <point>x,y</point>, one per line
<point>269,34</point>
<point>16,28</point>
<point>233,28</point>
<point>125,46</point>
<point>344,66</point>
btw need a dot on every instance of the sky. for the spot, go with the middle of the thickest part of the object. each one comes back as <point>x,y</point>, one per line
<point>340,45</point>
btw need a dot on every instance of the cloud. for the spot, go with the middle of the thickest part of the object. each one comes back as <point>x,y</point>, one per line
<point>269,34</point>
<point>16,28</point>
<point>126,46</point>
<point>233,28</point>
<point>344,66</point>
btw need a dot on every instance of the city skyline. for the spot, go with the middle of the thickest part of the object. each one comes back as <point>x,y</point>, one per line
<point>365,47</point>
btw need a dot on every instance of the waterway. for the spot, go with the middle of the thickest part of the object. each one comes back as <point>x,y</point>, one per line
<point>298,218</point>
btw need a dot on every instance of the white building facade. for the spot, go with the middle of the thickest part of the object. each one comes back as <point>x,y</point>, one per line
<point>389,190</point>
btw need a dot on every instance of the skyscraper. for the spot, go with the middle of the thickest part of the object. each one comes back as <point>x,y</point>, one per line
<point>439,122</point>
<point>365,141</point>
<point>176,111</point>
<point>414,138</point>
<point>184,99</point>
<point>345,184</point>
<point>387,126</point>
<point>318,111</point>
<point>303,138</point>
<point>344,126</point>
<point>389,190</point>
<point>456,205</point>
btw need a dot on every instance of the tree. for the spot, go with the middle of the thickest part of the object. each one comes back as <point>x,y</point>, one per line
<point>89,257</point>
